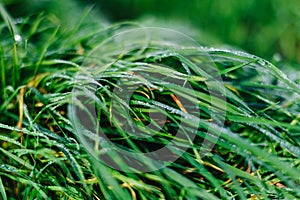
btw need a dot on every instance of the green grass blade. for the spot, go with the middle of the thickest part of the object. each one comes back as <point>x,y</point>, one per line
<point>2,190</point>
<point>47,44</point>
<point>2,73</point>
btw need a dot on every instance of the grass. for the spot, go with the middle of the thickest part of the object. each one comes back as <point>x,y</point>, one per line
<point>244,104</point>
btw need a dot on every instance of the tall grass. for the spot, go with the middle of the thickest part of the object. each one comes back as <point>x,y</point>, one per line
<point>252,117</point>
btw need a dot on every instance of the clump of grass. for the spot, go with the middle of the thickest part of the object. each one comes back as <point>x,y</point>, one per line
<point>253,118</point>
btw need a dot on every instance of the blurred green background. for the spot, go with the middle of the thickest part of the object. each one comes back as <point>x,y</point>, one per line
<point>265,28</point>
<point>268,28</point>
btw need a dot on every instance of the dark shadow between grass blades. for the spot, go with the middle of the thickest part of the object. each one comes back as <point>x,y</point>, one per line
<point>136,109</point>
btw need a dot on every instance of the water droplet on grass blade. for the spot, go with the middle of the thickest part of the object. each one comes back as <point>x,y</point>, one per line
<point>17,38</point>
<point>262,62</point>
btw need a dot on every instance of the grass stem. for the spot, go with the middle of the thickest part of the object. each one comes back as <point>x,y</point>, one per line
<point>3,72</point>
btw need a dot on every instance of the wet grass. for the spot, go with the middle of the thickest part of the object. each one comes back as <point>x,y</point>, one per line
<point>240,102</point>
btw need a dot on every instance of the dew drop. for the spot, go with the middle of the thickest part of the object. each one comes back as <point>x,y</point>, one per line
<point>262,63</point>
<point>17,38</point>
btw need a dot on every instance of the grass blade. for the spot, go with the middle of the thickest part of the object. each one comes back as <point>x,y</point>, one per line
<point>2,190</point>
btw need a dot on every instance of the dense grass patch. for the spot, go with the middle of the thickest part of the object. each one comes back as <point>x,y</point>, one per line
<point>240,102</point>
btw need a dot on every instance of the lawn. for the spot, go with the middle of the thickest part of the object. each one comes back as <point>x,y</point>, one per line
<point>149,100</point>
